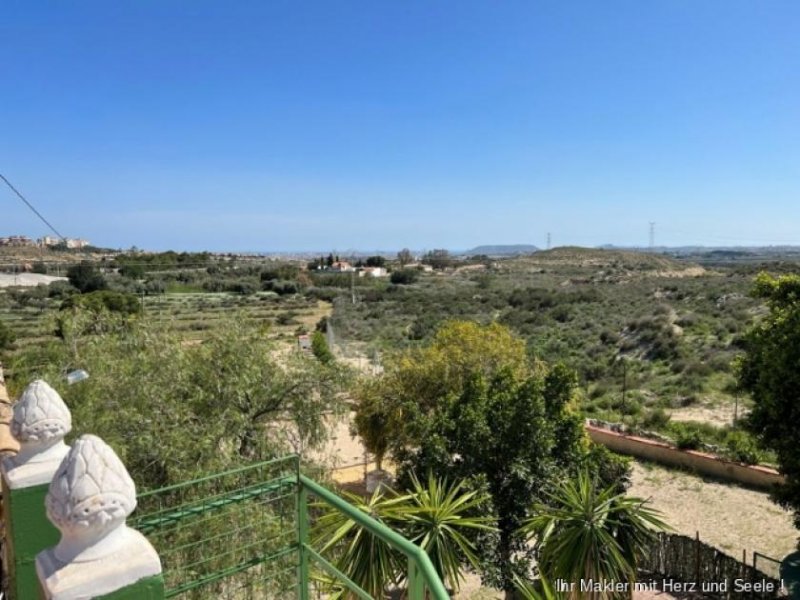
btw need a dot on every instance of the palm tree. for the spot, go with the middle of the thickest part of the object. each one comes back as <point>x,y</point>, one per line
<point>589,534</point>
<point>439,520</point>
<point>437,516</point>
<point>366,559</point>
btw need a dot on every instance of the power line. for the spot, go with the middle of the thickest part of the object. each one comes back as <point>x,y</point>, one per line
<point>29,205</point>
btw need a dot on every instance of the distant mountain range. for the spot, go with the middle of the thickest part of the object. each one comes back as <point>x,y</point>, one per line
<point>501,250</point>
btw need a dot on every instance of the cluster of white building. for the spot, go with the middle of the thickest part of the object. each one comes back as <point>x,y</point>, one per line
<point>21,241</point>
<point>341,266</point>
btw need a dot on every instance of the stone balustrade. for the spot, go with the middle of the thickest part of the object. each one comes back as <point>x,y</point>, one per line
<point>64,512</point>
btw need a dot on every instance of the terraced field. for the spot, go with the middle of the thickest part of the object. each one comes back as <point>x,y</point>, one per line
<point>191,314</point>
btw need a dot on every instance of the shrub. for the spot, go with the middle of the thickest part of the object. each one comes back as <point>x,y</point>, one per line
<point>404,276</point>
<point>656,419</point>
<point>686,437</point>
<point>741,447</point>
<point>86,278</point>
<point>609,337</point>
<point>286,318</point>
<point>243,288</point>
<point>119,302</point>
<point>7,336</point>
<point>320,349</point>
<point>281,287</point>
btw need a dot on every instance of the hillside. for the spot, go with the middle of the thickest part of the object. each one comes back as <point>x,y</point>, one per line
<point>502,250</point>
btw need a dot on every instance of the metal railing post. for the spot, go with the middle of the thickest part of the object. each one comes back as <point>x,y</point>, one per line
<point>416,585</point>
<point>302,539</point>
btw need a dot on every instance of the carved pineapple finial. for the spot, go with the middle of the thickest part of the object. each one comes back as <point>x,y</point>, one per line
<point>39,423</point>
<point>40,415</point>
<point>91,490</point>
<point>89,498</point>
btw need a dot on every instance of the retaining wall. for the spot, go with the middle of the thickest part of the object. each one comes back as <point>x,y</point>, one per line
<point>706,464</point>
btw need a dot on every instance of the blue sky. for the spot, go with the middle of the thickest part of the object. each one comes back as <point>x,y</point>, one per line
<point>377,125</point>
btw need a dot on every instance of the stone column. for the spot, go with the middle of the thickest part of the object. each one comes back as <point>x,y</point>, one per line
<point>39,423</point>
<point>98,555</point>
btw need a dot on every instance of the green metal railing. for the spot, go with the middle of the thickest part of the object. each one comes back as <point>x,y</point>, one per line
<point>246,533</point>
<point>423,582</point>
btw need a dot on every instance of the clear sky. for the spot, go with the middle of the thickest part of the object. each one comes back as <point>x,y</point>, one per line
<point>291,125</point>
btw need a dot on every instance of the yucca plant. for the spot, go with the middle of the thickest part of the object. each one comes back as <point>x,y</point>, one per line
<point>440,517</point>
<point>589,534</point>
<point>366,559</point>
<point>437,516</point>
<point>541,589</point>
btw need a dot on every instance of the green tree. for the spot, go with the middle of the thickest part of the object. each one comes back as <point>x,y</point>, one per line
<point>472,406</point>
<point>419,380</point>
<point>372,422</point>
<point>440,519</point>
<point>7,336</point>
<point>587,533</point>
<point>120,302</point>
<point>320,349</point>
<point>86,278</point>
<point>438,259</point>
<point>516,435</point>
<point>404,276</point>
<point>769,371</point>
<point>175,411</point>
<point>132,271</point>
<point>376,261</point>
<point>405,257</point>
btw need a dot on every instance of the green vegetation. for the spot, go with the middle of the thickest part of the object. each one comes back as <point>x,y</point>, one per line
<point>586,533</point>
<point>319,347</point>
<point>439,516</point>
<point>121,302</point>
<point>7,336</point>
<point>175,411</point>
<point>483,373</point>
<point>472,407</point>
<point>648,335</point>
<point>769,371</point>
<point>86,278</point>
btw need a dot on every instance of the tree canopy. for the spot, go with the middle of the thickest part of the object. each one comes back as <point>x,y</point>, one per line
<point>173,410</point>
<point>472,406</point>
<point>86,278</point>
<point>770,371</point>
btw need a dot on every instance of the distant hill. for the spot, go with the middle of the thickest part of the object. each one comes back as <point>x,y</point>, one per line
<point>502,250</point>
<point>605,259</point>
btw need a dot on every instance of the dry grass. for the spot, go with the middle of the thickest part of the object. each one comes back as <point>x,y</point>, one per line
<point>729,517</point>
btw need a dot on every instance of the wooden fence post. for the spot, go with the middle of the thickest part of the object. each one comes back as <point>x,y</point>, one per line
<point>697,558</point>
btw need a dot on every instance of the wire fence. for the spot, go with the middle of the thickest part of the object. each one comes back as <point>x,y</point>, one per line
<point>232,536</point>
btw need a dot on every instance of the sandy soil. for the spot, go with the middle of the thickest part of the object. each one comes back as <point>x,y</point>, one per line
<point>720,415</point>
<point>729,517</point>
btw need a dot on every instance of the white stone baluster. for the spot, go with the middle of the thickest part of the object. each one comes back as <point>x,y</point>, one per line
<point>40,422</point>
<point>90,498</point>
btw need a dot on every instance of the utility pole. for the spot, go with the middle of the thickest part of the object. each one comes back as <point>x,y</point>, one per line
<point>548,240</point>
<point>353,285</point>
<point>624,383</point>
<point>652,236</point>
